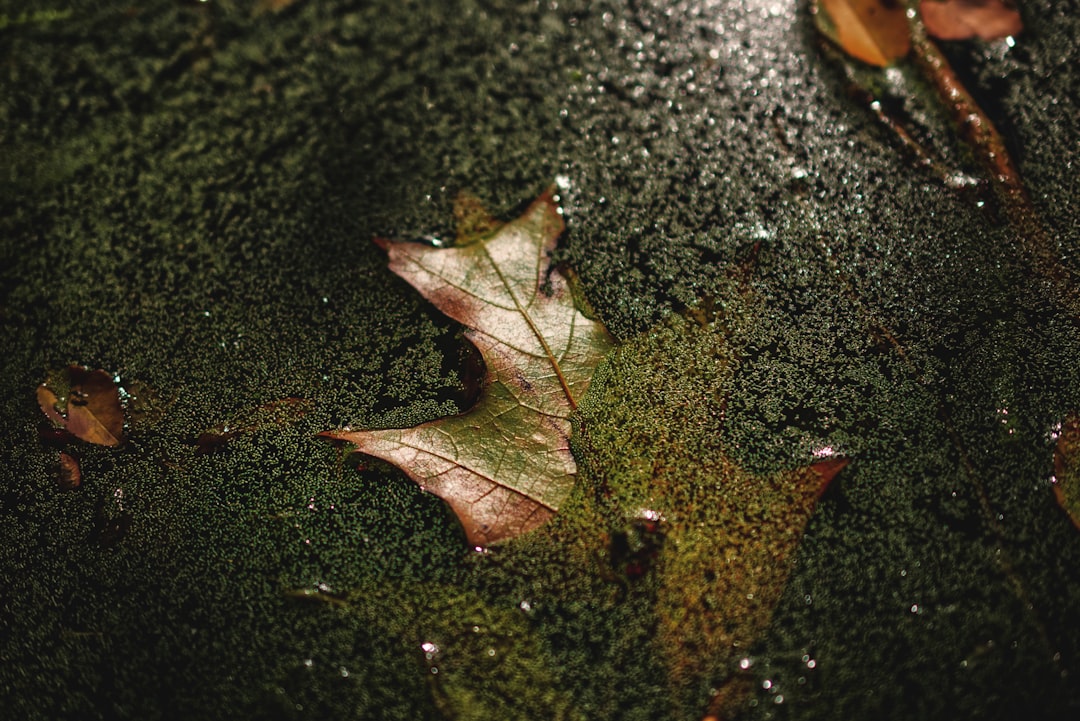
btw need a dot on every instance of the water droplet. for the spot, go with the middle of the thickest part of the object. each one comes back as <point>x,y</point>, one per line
<point>434,241</point>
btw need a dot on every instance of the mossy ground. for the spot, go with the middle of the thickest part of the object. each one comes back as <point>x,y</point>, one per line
<point>187,197</point>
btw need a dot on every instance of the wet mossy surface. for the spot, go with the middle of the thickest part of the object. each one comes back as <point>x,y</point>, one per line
<point>188,192</point>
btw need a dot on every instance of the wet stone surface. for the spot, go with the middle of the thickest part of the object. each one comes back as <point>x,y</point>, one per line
<point>188,192</point>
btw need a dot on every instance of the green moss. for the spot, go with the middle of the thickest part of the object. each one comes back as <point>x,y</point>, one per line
<point>187,198</point>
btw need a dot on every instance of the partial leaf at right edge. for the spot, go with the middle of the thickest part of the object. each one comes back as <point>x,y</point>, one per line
<point>1067,468</point>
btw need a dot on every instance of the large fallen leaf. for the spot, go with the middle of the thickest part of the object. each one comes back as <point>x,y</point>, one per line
<point>504,466</point>
<point>84,402</point>
<point>874,31</point>
<point>963,19</point>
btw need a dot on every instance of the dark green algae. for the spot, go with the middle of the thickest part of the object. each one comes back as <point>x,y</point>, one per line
<point>586,618</point>
<point>186,196</point>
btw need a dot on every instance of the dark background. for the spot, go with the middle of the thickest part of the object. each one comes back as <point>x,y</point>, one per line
<point>187,197</point>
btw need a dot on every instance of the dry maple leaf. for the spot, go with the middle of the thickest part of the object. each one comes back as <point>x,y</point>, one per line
<point>504,466</point>
<point>85,403</point>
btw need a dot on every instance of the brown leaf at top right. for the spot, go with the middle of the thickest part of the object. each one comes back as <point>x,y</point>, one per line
<point>964,19</point>
<point>877,31</point>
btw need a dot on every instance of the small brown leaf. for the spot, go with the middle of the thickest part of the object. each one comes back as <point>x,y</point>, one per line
<point>874,31</point>
<point>963,19</point>
<point>86,403</point>
<point>68,472</point>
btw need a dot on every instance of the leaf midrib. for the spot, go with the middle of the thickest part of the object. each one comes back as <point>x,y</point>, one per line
<point>535,330</point>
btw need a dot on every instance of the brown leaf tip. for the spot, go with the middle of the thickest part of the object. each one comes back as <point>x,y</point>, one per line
<point>68,472</point>
<point>828,469</point>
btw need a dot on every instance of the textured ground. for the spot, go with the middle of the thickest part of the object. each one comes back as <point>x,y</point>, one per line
<point>187,196</point>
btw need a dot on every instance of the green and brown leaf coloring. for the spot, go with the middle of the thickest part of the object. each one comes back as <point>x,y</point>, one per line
<point>717,541</point>
<point>505,465</point>
<point>655,421</point>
